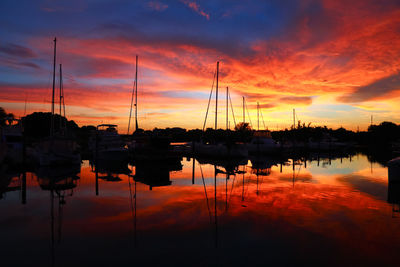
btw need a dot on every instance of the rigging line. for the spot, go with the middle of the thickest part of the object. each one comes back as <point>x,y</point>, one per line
<point>130,111</point>
<point>209,100</point>
<point>233,113</point>
<point>205,191</point>
<point>248,114</point>
<point>262,117</point>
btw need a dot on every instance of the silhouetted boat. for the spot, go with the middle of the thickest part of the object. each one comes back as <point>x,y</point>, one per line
<point>231,165</point>
<point>262,143</point>
<point>3,150</point>
<point>262,162</point>
<point>214,148</point>
<point>12,136</point>
<point>106,144</point>
<point>327,143</point>
<point>393,196</point>
<point>153,175</point>
<point>109,170</point>
<point>394,170</point>
<point>59,148</point>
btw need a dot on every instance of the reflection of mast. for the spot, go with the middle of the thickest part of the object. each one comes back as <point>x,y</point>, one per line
<point>226,191</point>
<point>257,181</point>
<point>60,183</point>
<point>243,185</point>
<point>205,192</point>
<point>97,180</point>
<point>133,207</point>
<point>52,226</point>
<point>193,168</point>
<point>215,205</point>
<point>23,189</point>
<point>293,170</point>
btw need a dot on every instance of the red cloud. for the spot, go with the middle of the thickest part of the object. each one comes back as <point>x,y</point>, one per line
<point>196,8</point>
<point>337,51</point>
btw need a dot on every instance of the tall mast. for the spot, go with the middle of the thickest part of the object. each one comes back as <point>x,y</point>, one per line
<point>258,116</point>
<point>134,93</point>
<point>61,96</point>
<point>227,104</point>
<point>244,114</point>
<point>136,81</point>
<point>294,119</point>
<point>216,99</point>
<point>54,84</point>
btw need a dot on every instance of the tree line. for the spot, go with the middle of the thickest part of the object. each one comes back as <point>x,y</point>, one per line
<point>37,126</point>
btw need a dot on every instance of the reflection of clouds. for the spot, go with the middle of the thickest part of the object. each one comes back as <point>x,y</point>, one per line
<point>366,185</point>
<point>305,178</point>
<point>336,217</point>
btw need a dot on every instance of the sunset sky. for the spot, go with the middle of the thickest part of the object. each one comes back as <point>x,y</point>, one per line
<point>336,62</point>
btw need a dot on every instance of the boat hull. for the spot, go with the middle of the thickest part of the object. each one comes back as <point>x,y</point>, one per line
<point>220,150</point>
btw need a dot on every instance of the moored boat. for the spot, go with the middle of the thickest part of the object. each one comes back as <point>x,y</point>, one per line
<point>59,148</point>
<point>106,144</point>
<point>262,143</point>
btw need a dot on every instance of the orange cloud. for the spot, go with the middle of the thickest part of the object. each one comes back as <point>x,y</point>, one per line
<point>339,55</point>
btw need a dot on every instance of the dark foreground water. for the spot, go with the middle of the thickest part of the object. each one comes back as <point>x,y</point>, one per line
<point>327,212</point>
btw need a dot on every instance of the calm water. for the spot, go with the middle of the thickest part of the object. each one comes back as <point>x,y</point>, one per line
<point>327,212</point>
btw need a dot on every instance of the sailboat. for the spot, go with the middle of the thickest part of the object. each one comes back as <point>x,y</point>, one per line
<point>155,147</point>
<point>219,149</point>
<point>3,147</point>
<point>262,142</point>
<point>13,140</point>
<point>107,145</point>
<point>59,148</point>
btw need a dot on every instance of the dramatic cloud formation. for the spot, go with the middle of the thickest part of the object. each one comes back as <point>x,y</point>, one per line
<point>324,58</point>
<point>377,89</point>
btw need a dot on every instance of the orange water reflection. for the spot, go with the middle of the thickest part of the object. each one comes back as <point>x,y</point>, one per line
<point>342,204</point>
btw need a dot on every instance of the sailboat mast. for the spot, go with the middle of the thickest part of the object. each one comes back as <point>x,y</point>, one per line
<point>134,92</point>
<point>216,99</point>
<point>54,84</point>
<point>258,116</point>
<point>227,105</point>
<point>61,96</point>
<point>136,82</point>
<point>294,119</point>
<point>244,114</point>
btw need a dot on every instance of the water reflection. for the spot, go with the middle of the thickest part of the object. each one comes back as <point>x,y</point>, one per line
<point>60,183</point>
<point>327,204</point>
